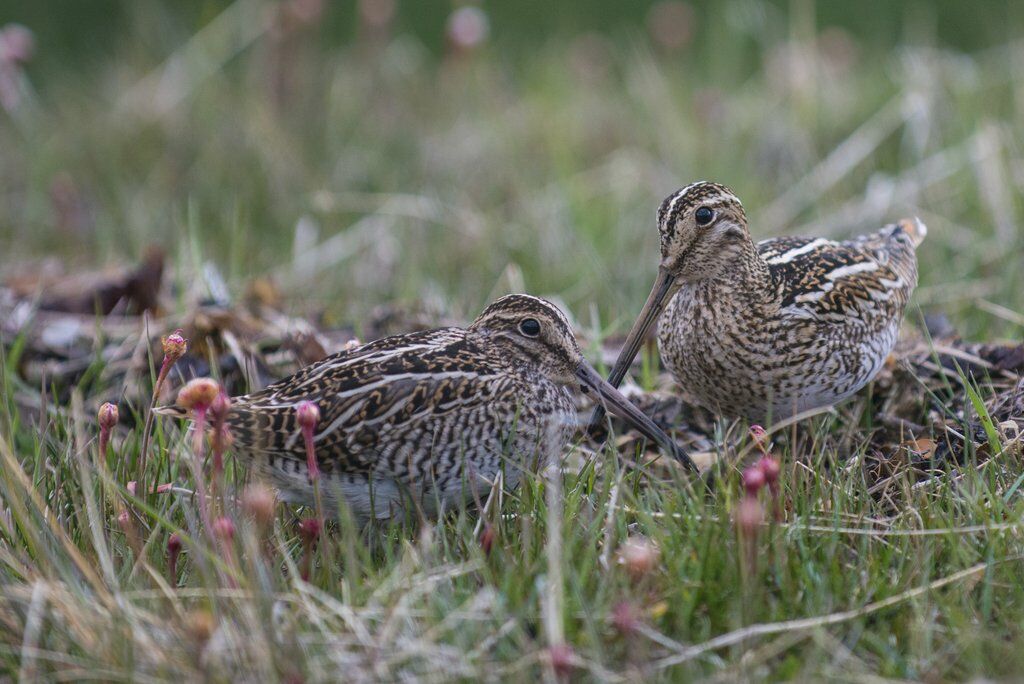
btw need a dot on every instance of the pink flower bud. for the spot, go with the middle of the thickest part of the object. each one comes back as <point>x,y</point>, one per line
<point>220,407</point>
<point>749,516</point>
<point>639,556</point>
<point>771,469</point>
<point>487,536</point>
<point>758,434</point>
<point>563,659</point>
<point>174,346</point>
<point>624,617</point>
<point>199,394</point>
<point>309,530</point>
<point>308,415</point>
<point>467,28</point>
<point>259,502</point>
<point>173,551</point>
<point>753,480</point>
<point>17,44</point>
<point>224,528</point>
<point>107,416</point>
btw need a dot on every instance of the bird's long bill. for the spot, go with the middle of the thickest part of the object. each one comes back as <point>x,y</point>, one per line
<point>614,401</point>
<point>656,302</point>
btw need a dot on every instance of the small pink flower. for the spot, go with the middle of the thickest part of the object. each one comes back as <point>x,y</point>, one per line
<point>749,516</point>
<point>17,44</point>
<point>224,528</point>
<point>309,532</point>
<point>174,546</point>
<point>487,537</point>
<point>624,617</point>
<point>772,470</point>
<point>198,397</point>
<point>199,394</point>
<point>221,433</point>
<point>639,556</point>
<point>753,480</point>
<point>174,346</point>
<point>107,417</point>
<point>259,502</point>
<point>308,415</point>
<point>467,28</point>
<point>563,659</point>
<point>758,434</point>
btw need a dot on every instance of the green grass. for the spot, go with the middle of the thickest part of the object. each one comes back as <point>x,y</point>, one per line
<point>446,183</point>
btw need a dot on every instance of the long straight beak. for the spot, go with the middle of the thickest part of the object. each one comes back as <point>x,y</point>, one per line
<point>612,399</point>
<point>664,287</point>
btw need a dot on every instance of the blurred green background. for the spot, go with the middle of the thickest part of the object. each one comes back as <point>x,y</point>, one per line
<point>358,153</point>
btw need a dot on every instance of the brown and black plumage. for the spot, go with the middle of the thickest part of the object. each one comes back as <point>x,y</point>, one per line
<point>431,415</point>
<point>771,329</point>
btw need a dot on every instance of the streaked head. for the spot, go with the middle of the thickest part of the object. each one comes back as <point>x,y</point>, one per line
<point>701,226</point>
<point>539,334</point>
<point>536,331</point>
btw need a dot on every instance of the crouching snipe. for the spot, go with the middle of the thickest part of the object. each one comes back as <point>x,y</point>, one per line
<point>430,416</point>
<point>771,329</point>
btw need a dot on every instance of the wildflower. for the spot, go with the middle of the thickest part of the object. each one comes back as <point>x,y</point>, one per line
<point>198,397</point>
<point>225,529</point>
<point>173,551</point>
<point>749,517</point>
<point>259,502</point>
<point>639,556</point>
<point>107,417</point>
<point>308,415</point>
<point>467,29</point>
<point>16,47</point>
<point>760,437</point>
<point>625,618</point>
<point>124,521</point>
<point>487,536</point>
<point>563,659</point>
<point>753,480</point>
<point>17,44</point>
<point>174,347</point>
<point>221,438</point>
<point>771,470</point>
<point>309,532</point>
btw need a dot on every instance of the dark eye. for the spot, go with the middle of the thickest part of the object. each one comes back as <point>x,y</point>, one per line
<point>703,216</point>
<point>529,327</point>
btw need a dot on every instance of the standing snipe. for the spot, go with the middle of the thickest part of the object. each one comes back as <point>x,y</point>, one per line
<point>769,330</point>
<point>431,415</point>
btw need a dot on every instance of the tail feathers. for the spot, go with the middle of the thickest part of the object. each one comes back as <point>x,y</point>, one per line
<point>173,411</point>
<point>915,228</point>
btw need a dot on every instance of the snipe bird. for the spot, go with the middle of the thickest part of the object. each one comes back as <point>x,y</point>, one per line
<point>431,415</point>
<point>768,330</point>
